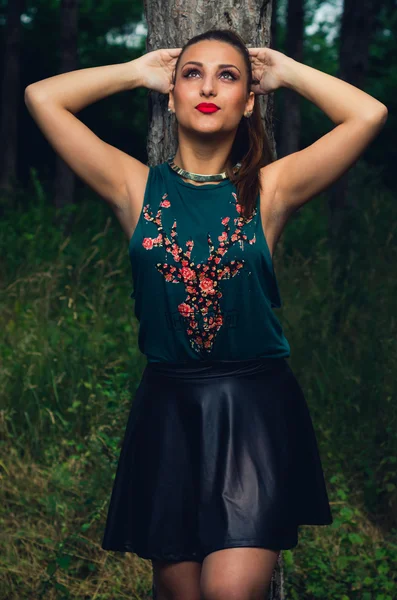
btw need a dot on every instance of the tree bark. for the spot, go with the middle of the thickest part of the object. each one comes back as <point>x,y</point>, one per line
<point>65,179</point>
<point>291,117</point>
<point>10,96</point>
<point>180,20</point>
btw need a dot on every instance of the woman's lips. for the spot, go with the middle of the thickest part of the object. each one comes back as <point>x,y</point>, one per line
<point>207,109</point>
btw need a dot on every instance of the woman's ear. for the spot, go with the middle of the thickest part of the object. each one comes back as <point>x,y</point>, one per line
<point>250,102</point>
<point>171,97</point>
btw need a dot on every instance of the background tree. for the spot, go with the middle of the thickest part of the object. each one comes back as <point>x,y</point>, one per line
<point>69,12</point>
<point>11,87</point>
<point>357,28</point>
<point>273,26</point>
<point>291,115</point>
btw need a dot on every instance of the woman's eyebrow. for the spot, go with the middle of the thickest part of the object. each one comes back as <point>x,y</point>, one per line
<point>194,62</point>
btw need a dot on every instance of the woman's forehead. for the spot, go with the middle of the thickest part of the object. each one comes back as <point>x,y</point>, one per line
<point>211,51</point>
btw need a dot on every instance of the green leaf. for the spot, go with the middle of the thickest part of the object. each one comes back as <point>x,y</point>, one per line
<point>61,588</point>
<point>51,568</point>
<point>355,538</point>
<point>64,561</point>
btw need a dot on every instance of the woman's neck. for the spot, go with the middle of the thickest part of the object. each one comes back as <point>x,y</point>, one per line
<point>199,166</point>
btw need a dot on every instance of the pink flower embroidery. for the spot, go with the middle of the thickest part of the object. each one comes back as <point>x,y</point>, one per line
<point>148,243</point>
<point>201,308</point>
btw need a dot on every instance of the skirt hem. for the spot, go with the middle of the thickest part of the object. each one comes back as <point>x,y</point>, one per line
<point>286,543</point>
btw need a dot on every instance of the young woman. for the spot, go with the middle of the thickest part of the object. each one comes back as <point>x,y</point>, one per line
<point>219,463</point>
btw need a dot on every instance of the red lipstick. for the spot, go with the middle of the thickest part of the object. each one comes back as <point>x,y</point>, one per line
<point>207,108</point>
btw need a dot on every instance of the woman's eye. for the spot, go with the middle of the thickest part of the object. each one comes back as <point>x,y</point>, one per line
<point>197,71</point>
<point>230,73</point>
<point>191,71</point>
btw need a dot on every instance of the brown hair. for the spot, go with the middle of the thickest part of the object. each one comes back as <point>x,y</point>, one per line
<point>251,145</point>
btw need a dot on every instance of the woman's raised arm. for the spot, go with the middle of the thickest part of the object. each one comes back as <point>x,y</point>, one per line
<point>52,103</point>
<point>358,117</point>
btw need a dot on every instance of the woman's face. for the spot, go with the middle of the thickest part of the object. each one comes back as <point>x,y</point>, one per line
<point>210,83</point>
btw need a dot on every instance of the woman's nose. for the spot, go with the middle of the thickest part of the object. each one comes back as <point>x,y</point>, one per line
<point>208,84</point>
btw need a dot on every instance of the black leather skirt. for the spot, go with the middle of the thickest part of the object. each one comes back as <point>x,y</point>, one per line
<point>216,455</point>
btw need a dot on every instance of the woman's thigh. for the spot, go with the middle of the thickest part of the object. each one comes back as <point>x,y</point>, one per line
<point>238,573</point>
<point>177,580</point>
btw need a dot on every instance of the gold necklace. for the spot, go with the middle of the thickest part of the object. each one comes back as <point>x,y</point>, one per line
<point>197,176</point>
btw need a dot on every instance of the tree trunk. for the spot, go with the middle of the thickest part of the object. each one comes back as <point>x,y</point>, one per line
<point>357,27</point>
<point>10,96</point>
<point>291,117</point>
<point>65,178</point>
<point>180,20</point>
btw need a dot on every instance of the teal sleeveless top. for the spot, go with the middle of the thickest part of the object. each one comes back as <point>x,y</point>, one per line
<point>204,285</point>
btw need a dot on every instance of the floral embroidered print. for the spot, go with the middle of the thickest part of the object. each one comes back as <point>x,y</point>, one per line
<point>201,309</point>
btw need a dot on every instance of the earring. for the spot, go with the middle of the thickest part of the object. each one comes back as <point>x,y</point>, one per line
<point>170,110</point>
<point>248,114</point>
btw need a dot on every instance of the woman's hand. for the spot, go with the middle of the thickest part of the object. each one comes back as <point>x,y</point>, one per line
<point>267,66</point>
<point>156,68</point>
